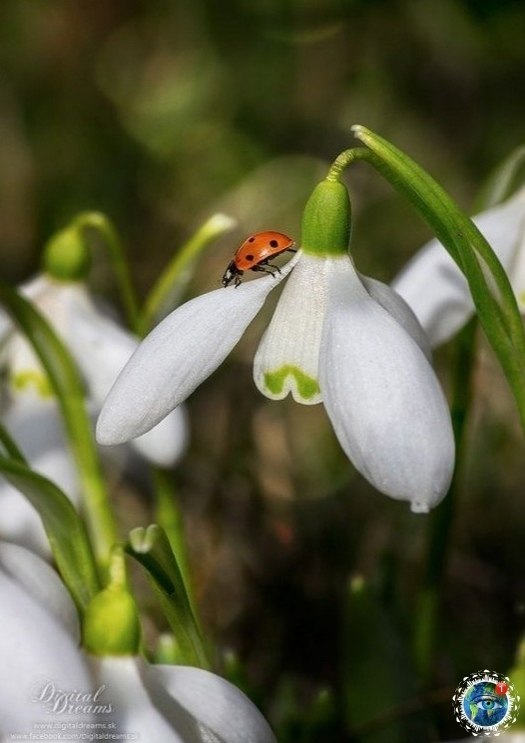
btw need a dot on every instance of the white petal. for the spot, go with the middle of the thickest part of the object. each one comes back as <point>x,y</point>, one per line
<point>288,355</point>
<point>36,650</point>
<point>100,347</point>
<point>179,354</point>
<point>396,306</point>
<point>41,582</point>
<point>383,398</point>
<point>223,712</point>
<point>134,713</point>
<point>435,288</point>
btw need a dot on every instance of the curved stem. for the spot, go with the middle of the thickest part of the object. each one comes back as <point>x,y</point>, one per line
<point>345,159</point>
<point>100,223</point>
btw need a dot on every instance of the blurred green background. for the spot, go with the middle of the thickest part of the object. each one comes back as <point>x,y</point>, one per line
<point>160,113</point>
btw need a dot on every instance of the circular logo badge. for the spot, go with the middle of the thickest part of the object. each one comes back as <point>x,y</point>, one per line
<point>485,703</point>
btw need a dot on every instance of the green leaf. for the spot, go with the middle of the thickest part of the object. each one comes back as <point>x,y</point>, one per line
<point>489,285</point>
<point>64,528</point>
<point>9,447</point>
<point>151,548</point>
<point>67,387</point>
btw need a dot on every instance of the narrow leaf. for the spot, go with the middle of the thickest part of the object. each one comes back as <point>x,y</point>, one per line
<point>64,528</point>
<point>489,285</point>
<point>152,549</point>
<point>9,447</point>
<point>67,386</point>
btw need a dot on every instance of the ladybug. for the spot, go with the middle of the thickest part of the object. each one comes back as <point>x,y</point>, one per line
<point>254,254</point>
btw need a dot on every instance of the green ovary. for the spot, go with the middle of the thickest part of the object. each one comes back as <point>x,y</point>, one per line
<point>306,386</point>
<point>24,379</point>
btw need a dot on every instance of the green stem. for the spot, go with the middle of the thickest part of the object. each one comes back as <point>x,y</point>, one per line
<point>426,623</point>
<point>345,159</point>
<point>100,223</point>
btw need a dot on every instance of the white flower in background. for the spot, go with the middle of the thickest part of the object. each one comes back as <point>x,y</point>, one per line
<point>436,290</point>
<point>31,414</point>
<point>41,663</point>
<point>335,337</point>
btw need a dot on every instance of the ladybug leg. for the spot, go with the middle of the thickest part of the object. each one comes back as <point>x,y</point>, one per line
<point>262,269</point>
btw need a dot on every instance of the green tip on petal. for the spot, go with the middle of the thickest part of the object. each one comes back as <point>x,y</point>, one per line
<point>66,255</point>
<point>327,220</point>
<point>307,387</point>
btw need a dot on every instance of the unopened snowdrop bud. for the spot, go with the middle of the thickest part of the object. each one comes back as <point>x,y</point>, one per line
<point>111,622</point>
<point>66,255</point>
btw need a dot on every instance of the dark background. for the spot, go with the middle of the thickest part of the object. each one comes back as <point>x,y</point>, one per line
<point>161,113</point>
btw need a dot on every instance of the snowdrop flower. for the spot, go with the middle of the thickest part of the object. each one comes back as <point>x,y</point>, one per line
<point>100,348</point>
<point>47,681</point>
<point>336,337</point>
<point>436,290</point>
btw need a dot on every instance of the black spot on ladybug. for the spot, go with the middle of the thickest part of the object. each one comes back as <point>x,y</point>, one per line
<point>249,257</point>
<point>274,244</point>
<point>251,239</point>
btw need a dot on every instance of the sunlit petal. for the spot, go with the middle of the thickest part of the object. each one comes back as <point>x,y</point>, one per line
<point>41,582</point>
<point>179,354</point>
<point>381,394</point>
<point>435,288</point>
<point>396,306</point>
<point>35,649</point>
<point>134,712</point>
<point>219,708</point>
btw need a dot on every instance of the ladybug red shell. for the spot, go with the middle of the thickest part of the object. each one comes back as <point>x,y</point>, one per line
<point>255,253</point>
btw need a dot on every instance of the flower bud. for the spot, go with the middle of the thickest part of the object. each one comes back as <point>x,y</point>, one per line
<point>111,623</point>
<point>66,255</point>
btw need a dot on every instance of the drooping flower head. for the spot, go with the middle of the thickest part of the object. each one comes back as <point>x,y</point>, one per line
<point>336,337</point>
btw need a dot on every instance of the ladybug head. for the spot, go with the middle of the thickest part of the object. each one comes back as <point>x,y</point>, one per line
<point>232,273</point>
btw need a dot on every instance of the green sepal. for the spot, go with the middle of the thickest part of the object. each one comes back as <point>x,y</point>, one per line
<point>66,256</point>
<point>326,221</point>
